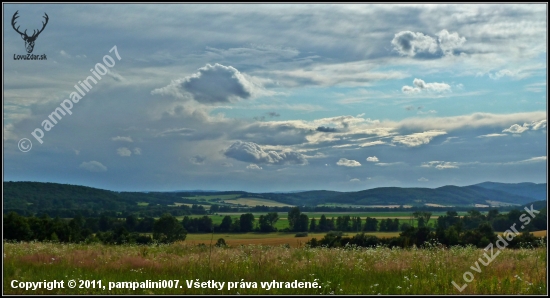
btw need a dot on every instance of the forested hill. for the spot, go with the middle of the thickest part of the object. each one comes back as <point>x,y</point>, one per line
<point>447,195</point>
<point>526,189</point>
<point>37,196</point>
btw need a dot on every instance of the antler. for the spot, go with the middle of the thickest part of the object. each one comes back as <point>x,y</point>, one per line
<point>43,26</point>
<point>15,16</point>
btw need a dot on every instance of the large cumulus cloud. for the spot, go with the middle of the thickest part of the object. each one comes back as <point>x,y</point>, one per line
<point>253,153</point>
<point>212,84</point>
<point>416,44</point>
<point>420,86</point>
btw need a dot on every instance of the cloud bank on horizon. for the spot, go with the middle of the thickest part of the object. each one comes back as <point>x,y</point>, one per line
<point>280,97</point>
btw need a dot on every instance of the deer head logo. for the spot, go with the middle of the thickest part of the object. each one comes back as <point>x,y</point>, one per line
<point>29,40</point>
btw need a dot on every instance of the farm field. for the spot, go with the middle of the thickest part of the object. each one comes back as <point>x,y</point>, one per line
<point>214,197</point>
<point>283,238</point>
<point>336,271</point>
<point>256,202</point>
<point>268,238</point>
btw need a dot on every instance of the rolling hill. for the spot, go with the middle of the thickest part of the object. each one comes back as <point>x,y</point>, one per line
<point>37,196</point>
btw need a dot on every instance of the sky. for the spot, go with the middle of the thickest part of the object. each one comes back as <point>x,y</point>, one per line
<point>162,97</point>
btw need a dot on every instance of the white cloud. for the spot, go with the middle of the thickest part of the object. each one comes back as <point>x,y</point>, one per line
<point>388,164</point>
<point>348,163</point>
<point>530,160</point>
<point>64,54</point>
<point>253,167</point>
<point>252,152</point>
<point>538,125</point>
<point>517,129</point>
<point>354,180</point>
<point>492,135</point>
<point>93,166</point>
<point>123,151</point>
<point>422,179</point>
<point>137,151</point>
<point>440,165</point>
<point>372,159</point>
<point>374,143</point>
<point>122,139</point>
<point>448,42</point>
<point>420,85</point>
<point>427,112</point>
<point>417,139</point>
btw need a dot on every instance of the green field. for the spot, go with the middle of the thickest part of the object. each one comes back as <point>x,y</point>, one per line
<point>213,197</point>
<point>351,271</point>
<point>256,202</point>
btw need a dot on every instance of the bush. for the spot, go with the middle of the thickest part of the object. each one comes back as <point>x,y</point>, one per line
<point>221,243</point>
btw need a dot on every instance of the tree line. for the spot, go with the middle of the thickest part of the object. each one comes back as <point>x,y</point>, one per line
<point>450,229</point>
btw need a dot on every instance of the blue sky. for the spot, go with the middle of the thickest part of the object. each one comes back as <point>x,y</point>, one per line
<point>277,97</point>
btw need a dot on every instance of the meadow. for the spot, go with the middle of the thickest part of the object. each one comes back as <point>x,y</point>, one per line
<point>350,270</point>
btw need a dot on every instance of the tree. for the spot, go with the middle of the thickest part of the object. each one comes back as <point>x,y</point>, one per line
<point>356,225</point>
<point>236,225</point>
<point>167,229</point>
<point>301,225</point>
<point>225,226</point>
<point>214,208</point>
<point>313,225</point>
<point>16,228</point>
<point>421,222</point>
<point>323,224</point>
<point>131,222</point>
<point>371,225</point>
<point>293,217</point>
<point>272,218</point>
<point>493,213</point>
<point>247,222</point>
<point>383,225</point>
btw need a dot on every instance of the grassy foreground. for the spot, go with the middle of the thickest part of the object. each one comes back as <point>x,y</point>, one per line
<point>339,271</point>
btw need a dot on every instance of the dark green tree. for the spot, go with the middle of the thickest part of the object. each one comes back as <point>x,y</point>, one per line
<point>313,225</point>
<point>225,226</point>
<point>247,222</point>
<point>293,217</point>
<point>167,229</point>
<point>16,227</point>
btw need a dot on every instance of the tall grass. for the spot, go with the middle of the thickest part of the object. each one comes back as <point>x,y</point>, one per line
<point>349,270</point>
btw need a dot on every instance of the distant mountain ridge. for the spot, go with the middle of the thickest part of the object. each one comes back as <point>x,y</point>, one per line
<point>37,196</point>
<point>527,189</point>
<point>449,195</point>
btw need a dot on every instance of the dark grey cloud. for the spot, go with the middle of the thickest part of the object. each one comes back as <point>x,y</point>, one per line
<point>272,133</point>
<point>273,114</point>
<point>215,84</point>
<point>419,45</point>
<point>212,84</point>
<point>326,129</point>
<point>253,153</point>
<point>176,132</point>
